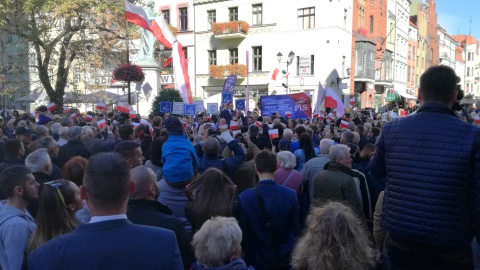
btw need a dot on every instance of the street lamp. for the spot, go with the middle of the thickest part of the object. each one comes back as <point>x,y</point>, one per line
<point>291,56</point>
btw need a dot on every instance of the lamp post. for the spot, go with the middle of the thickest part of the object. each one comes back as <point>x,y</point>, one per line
<point>291,56</point>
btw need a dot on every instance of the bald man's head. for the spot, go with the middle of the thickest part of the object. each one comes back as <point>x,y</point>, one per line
<point>146,185</point>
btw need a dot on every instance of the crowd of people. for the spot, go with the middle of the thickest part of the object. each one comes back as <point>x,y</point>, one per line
<point>170,192</point>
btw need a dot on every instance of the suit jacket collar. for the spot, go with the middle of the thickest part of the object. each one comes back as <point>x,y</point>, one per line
<point>103,225</point>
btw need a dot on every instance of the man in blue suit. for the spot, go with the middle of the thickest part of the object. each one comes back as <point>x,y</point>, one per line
<point>228,113</point>
<point>109,241</point>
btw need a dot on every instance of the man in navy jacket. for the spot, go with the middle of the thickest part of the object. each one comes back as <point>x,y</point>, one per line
<point>109,241</point>
<point>432,197</point>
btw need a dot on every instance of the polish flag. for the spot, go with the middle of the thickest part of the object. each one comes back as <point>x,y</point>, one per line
<point>180,70</point>
<point>66,109</point>
<point>320,98</point>
<point>315,115</point>
<point>259,124</point>
<point>89,117</point>
<point>331,117</point>
<point>184,124</point>
<point>144,122</point>
<point>273,133</point>
<point>74,116</point>
<point>333,101</point>
<point>135,125</point>
<point>223,127</point>
<point>162,32</point>
<point>344,124</point>
<point>101,124</point>
<point>51,106</point>
<point>288,114</point>
<point>137,15</point>
<point>122,107</point>
<point>322,117</point>
<point>286,75</point>
<point>133,114</point>
<point>477,119</point>
<point>101,106</point>
<point>274,74</point>
<point>352,102</point>
<point>233,125</point>
<point>169,60</point>
<point>151,130</point>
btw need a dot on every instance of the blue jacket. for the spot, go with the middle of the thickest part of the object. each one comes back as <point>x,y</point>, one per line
<point>114,244</point>
<point>282,207</point>
<point>227,165</point>
<point>179,158</point>
<point>432,163</point>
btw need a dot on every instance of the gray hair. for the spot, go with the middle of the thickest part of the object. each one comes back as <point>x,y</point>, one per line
<point>41,130</point>
<point>38,160</point>
<point>338,152</point>
<point>368,126</point>
<point>46,142</point>
<point>356,137</point>
<point>351,126</point>
<point>88,131</point>
<point>217,240</point>
<point>74,133</point>
<point>288,134</point>
<point>55,127</point>
<point>325,145</point>
<point>63,132</point>
<point>67,121</point>
<point>286,159</point>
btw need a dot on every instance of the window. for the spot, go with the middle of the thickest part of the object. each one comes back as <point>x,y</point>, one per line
<point>233,56</point>
<point>371,24</point>
<point>212,17</point>
<point>257,14</point>
<point>409,51</point>
<point>183,19</point>
<point>408,73</point>
<point>76,77</point>
<point>212,57</point>
<point>166,15</point>
<point>233,14</point>
<point>392,37</point>
<point>257,58</point>
<point>306,18</point>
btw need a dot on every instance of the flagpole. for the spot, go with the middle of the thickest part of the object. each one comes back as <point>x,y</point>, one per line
<point>128,58</point>
<point>247,92</point>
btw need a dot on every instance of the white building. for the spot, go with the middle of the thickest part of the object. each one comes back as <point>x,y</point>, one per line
<point>402,17</point>
<point>460,65</point>
<point>446,48</point>
<point>321,42</point>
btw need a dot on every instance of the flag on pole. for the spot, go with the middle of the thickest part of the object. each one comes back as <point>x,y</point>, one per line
<point>352,102</point>
<point>320,98</point>
<point>101,106</point>
<point>162,32</point>
<point>322,117</point>
<point>89,118</point>
<point>315,115</point>
<point>66,109</point>
<point>169,60</point>
<point>144,122</point>
<point>51,106</point>
<point>259,124</point>
<point>274,74</point>
<point>233,125</point>
<point>101,123</point>
<point>74,116</point>
<point>343,124</point>
<point>137,15</point>
<point>331,117</point>
<point>122,107</point>
<point>288,114</point>
<point>133,114</point>
<point>180,71</point>
<point>273,133</point>
<point>286,75</point>
<point>333,101</point>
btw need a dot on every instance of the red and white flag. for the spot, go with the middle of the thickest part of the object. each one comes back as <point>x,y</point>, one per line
<point>51,106</point>
<point>274,74</point>
<point>66,109</point>
<point>135,125</point>
<point>101,124</point>
<point>288,114</point>
<point>315,115</point>
<point>123,107</point>
<point>476,119</point>
<point>331,117</point>
<point>333,101</point>
<point>343,124</point>
<point>133,114</point>
<point>144,122</point>
<point>273,133</point>
<point>233,125</point>
<point>259,124</point>
<point>352,102</point>
<point>286,75</point>
<point>180,71</point>
<point>184,124</point>
<point>167,62</point>
<point>101,106</point>
<point>320,98</point>
<point>137,15</point>
<point>74,116</point>
<point>162,32</point>
<point>89,117</point>
<point>322,117</point>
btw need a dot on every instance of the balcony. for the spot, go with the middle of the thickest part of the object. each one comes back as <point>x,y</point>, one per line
<point>230,30</point>
<point>220,72</point>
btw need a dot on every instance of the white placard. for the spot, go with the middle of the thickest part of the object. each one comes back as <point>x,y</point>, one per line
<point>177,108</point>
<point>212,108</point>
<point>199,106</point>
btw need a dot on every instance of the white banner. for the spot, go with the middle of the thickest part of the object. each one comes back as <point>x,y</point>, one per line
<point>177,108</point>
<point>212,108</point>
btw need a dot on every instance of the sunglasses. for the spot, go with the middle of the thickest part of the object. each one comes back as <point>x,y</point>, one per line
<point>57,187</point>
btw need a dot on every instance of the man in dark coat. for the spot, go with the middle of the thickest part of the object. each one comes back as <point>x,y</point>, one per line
<point>143,208</point>
<point>14,151</point>
<point>228,113</point>
<point>73,147</point>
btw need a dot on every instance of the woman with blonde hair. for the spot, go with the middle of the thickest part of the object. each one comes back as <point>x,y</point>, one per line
<point>335,239</point>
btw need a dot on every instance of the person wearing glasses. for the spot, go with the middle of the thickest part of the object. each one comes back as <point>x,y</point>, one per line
<point>59,200</point>
<point>109,240</point>
<point>18,185</point>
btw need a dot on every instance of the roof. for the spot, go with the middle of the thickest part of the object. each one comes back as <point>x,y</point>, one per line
<point>459,38</point>
<point>471,39</point>
<point>459,54</point>
<point>412,24</point>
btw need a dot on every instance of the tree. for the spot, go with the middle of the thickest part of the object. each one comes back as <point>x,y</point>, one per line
<point>58,32</point>
<point>165,95</point>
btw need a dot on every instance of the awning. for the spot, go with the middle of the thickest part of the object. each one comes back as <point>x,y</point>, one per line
<point>101,96</point>
<point>33,97</point>
<point>392,96</point>
<point>406,95</point>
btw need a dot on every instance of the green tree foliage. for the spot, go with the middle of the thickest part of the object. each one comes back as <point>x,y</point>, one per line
<point>60,31</point>
<point>165,95</point>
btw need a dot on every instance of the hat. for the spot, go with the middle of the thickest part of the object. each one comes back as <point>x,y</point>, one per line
<point>174,126</point>
<point>22,131</point>
<point>284,144</point>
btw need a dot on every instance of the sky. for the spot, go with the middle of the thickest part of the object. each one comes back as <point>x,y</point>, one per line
<point>454,16</point>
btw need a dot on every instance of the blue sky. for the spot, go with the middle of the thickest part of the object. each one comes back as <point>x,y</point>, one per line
<point>454,16</point>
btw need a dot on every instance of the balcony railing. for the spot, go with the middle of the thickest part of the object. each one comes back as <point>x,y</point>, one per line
<point>230,30</point>
<point>220,72</point>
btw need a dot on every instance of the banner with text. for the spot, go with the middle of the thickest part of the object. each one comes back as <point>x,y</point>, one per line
<point>212,108</point>
<point>298,104</point>
<point>189,109</point>
<point>229,85</point>
<point>199,106</point>
<point>226,98</point>
<point>178,108</point>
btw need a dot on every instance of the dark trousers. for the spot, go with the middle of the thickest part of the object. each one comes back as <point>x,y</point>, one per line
<point>408,254</point>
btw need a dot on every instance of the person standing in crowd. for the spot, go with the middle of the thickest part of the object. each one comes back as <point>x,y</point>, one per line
<point>333,240</point>
<point>109,241</point>
<point>24,135</point>
<point>39,163</point>
<point>286,175</point>
<point>143,208</point>
<point>95,145</point>
<point>155,156</point>
<point>305,152</point>
<point>228,113</point>
<point>316,165</point>
<point>19,187</point>
<point>268,246</point>
<point>40,132</point>
<point>73,147</point>
<point>52,147</point>
<point>125,132</point>
<point>131,152</point>
<point>14,152</point>
<point>431,206</point>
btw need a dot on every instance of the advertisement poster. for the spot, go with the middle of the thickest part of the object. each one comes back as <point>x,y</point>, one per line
<point>298,104</point>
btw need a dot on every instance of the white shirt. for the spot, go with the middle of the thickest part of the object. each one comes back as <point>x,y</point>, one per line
<point>96,219</point>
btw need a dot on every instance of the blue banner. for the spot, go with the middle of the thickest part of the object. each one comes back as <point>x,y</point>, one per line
<point>189,109</point>
<point>166,107</point>
<point>227,97</point>
<point>229,85</point>
<point>240,104</point>
<point>298,104</point>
